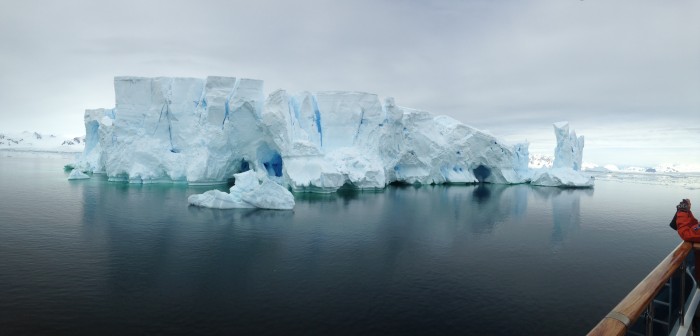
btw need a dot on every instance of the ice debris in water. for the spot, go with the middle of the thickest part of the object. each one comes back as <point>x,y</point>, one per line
<point>247,192</point>
<point>76,174</point>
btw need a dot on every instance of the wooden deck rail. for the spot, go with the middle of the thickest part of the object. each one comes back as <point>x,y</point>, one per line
<point>631,307</point>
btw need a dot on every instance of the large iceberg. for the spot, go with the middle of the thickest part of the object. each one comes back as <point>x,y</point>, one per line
<point>203,131</point>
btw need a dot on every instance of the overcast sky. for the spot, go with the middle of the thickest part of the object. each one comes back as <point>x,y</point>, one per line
<point>625,74</point>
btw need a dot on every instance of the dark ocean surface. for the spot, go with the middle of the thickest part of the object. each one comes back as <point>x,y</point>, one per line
<point>94,257</point>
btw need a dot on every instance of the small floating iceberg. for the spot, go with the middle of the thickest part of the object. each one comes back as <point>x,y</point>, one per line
<point>248,192</point>
<point>76,174</point>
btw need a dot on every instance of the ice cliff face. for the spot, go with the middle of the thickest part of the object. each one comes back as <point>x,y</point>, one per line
<point>205,130</point>
<point>569,150</point>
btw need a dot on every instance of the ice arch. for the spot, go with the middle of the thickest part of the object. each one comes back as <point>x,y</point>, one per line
<point>482,173</point>
<point>271,160</point>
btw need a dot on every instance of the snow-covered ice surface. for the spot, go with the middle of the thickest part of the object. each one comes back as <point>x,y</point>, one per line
<point>665,168</point>
<point>203,131</point>
<point>249,191</point>
<point>689,180</point>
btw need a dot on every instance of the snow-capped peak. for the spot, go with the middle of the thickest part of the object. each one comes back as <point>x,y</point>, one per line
<point>37,142</point>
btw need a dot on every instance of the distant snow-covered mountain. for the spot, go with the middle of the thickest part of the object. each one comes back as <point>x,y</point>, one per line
<point>37,142</point>
<point>663,168</point>
<point>540,161</point>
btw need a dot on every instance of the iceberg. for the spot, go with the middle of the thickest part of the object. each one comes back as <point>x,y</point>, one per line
<point>76,174</point>
<point>247,192</point>
<point>562,177</point>
<point>203,131</point>
<point>566,168</point>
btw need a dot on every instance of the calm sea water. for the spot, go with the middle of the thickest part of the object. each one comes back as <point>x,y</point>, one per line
<point>99,258</point>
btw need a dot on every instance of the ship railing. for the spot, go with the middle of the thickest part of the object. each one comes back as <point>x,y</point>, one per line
<point>664,303</point>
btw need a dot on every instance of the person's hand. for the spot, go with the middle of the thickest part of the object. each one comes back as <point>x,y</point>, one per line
<point>684,205</point>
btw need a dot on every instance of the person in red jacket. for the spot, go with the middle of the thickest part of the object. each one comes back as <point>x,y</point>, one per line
<point>688,227</point>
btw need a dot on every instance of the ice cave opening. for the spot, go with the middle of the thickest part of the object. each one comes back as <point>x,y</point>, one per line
<point>482,173</point>
<point>245,166</point>
<point>271,160</point>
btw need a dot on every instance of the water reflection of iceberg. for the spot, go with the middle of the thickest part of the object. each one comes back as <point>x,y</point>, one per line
<point>566,211</point>
<point>485,206</point>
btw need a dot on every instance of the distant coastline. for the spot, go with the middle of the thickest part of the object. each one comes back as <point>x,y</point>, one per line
<point>38,153</point>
